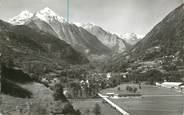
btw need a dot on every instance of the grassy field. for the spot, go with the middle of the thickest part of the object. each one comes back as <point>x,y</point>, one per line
<point>42,96</point>
<point>146,90</point>
<point>170,105</point>
<point>86,104</point>
<point>155,101</point>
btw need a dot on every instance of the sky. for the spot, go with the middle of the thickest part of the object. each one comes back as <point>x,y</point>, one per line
<point>116,16</point>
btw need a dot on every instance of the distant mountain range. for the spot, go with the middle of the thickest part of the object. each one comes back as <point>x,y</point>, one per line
<point>89,39</point>
<point>112,41</point>
<point>131,38</point>
<point>118,43</point>
<point>48,21</point>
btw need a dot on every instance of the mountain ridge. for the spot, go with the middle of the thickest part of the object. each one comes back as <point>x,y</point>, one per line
<point>20,36</point>
<point>127,39</point>
<point>80,39</point>
<point>113,41</point>
<point>161,49</point>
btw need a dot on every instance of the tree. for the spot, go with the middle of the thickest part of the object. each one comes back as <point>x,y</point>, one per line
<point>68,109</point>
<point>140,85</point>
<point>78,112</point>
<point>87,111</point>
<point>97,109</point>
<point>75,87</point>
<point>119,88</point>
<point>135,90</point>
<point>58,93</point>
<point>128,88</point>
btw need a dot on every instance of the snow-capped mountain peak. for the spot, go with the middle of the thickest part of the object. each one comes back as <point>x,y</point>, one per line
<point>104,35</point>
<point>48,11</point>
<point>85,25</point>
<point>89,25</point>
<point>131,38</point>
<point>131,35</point>
<point>48,15</point>
<point>22,18</point>
<point>110,40</point>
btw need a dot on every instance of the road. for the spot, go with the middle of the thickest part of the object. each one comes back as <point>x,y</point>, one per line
<point>113,105</point>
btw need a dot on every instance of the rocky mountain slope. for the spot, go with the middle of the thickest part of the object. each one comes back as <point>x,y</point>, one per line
<point>165,39</point>
<point>29,48</point>
<point>22,18</point>
<point>161,49</point>
<point>112,41</point>
<point>80,39</point>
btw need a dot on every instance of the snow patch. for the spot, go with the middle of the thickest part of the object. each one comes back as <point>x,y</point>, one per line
<point>22,18</point>
<point>48,15</point>
<point>45,14</point>
<point>85,25</point>
<point>131,36</point>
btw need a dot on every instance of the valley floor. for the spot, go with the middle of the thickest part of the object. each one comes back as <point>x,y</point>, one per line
<point>154,101</point>
<point>88,105</point>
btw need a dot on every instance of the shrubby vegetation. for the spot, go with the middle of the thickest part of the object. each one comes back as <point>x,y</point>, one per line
<point>61,104</point>
<point>97,109</point>
<point>58,93</point>
<point>131,89</point>
<point>9,80</point>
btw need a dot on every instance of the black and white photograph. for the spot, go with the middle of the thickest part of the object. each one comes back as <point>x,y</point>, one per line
<point>91,57</point>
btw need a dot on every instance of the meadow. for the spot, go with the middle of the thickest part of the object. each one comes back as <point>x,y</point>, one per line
<point>155,101</point>
<point>88,105</point>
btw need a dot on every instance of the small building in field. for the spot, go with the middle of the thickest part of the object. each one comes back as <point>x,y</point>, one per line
<point>175,85</point>
<point>110,94</point>
<point>109,76</point>
<point>158,84</point>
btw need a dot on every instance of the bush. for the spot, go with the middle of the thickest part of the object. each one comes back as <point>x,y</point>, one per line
<point>68,109</point>
<point>128,88</point>
<point>97,109</point>
<point>131,89</point>
<point>134,89</point>
<point>58,93</point>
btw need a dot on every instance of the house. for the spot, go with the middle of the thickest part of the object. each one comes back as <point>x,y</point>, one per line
<point>66,92</point>
<point>175,85</point>
<point>158,84</point>
<point>44,80</point>
<point>110,94</point>
<point>109,76</point>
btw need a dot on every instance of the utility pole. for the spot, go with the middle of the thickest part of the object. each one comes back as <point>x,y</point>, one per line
<point>68,11</point>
